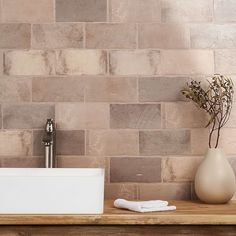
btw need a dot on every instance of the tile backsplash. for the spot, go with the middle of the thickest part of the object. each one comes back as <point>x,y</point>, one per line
<point>110,73</point>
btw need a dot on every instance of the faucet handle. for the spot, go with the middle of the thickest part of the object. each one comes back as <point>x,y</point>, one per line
<point>49,127</point>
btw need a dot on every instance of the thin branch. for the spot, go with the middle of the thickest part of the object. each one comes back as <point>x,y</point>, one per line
<point>216,100</point>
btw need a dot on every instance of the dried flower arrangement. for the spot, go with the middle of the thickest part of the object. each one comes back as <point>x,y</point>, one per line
<point>216,99</point>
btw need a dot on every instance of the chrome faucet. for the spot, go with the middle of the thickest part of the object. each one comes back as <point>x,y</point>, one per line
<point>49,141</point>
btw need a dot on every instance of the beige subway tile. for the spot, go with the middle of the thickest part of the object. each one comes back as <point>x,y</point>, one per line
<point>225,62</point>
<point>58,89</point>
<point>199,141</point>
<point>69,142</point>
<point>60,35</point>
<point>178,62</point>
<point>81,62</point>
<point>135,116</point>
<point>26,116</point>
<point>81,162</point>
<point>15,89</point>
<point>187,11</point>
<point>135,169</point>
<point>164,142</point>
<point>135,10</point>
<point>15,143</point>
<point>22,162</point>
<point>180,169</point>
<point>134,62</point>
<point>232,162</point>
<point>84,162</point>
<point>227,140</point>
<point>126,191</point>
<point>107,35</point>
<point>81,10</point>
<point>82,115</point>
<point>159,89</point>
<point>112,142</point>
<point>165,191</point>
<point>163,36</point>
<point>225,10</point>
<point>213,36</point>
<point>184,115</point>
<point>111,89</point>
<point>33,62</point>
<point>232,119</point>
<point>15,35</point>
<point>28,11</point>
<point>38,146</point>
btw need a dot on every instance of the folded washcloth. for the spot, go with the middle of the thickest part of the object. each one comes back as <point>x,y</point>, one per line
<point>144,206</point>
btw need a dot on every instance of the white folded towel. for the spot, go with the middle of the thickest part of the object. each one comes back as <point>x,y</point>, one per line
<point>144,206</point>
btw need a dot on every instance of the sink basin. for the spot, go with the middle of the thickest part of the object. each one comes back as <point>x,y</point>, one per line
<point>51,191</point>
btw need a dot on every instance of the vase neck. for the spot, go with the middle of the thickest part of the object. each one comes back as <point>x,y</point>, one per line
<point>216,153</point>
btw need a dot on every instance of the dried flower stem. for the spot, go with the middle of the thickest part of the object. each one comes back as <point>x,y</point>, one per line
<point>216,100</point>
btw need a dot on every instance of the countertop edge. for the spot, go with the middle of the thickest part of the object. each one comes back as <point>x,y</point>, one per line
<point>117,220</point>
<point>187,213</point>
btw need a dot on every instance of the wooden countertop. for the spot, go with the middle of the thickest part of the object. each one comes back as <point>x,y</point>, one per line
<point>187,213</point>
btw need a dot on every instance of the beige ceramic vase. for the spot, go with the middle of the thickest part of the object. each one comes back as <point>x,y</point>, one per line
<point>215,180</point>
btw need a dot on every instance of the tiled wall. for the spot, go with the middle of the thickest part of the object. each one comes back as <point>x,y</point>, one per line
<point>109,72</point>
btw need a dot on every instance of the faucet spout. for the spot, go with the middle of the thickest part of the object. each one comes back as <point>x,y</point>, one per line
<point>49,141</point>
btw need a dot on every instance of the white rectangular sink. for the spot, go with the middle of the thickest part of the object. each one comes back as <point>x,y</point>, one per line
<point>51,191</point>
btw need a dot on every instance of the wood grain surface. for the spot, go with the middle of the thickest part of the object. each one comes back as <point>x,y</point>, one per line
<point>187,213</point>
